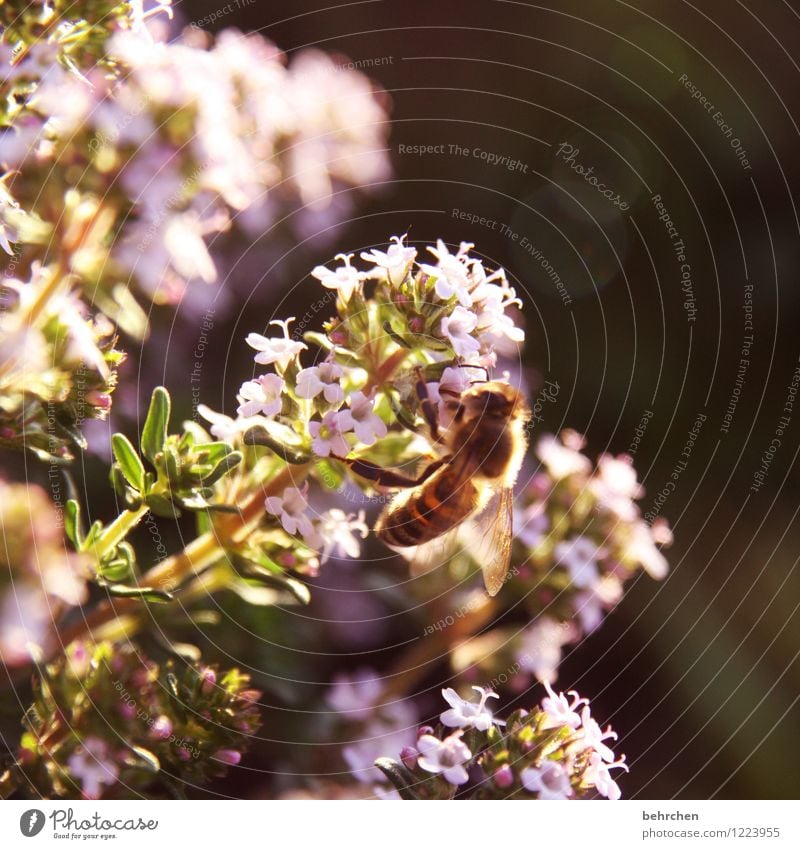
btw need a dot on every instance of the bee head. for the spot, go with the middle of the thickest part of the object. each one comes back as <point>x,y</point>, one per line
<point>492,400</point>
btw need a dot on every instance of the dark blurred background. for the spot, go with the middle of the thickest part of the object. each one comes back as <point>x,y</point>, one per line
<point>700,674</point>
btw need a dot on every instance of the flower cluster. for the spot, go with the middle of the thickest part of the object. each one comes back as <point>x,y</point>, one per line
<point>398,321</point>
<point>172,139</point>
<point>579,536</point>
<point>557,751</point>
<point>370,726</point>
<point>106,721</point>
<point>38,577</point>
<point>58,366</point>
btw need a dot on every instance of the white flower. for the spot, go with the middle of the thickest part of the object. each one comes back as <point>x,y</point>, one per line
<point>592,736</point>
<point>550,781</point>
<point>580,556</point>
<point>262,396</point>
<point>464,714</point>
<point>559,710</point>
<point>25,623</point>
<point>222,426</point>
<point>450,273</point>
<point>327,436</point>
<point>388,732</point>
<point>356,693</point>
<point>615,486</point>
<point>597,773</point>
<point>280,351</point>
<point>532,525</point>
<point>91,764</point>
<point>457,327</point>
<point>395,262</point>
<point>323,378</point>
<point>539,652</point>
<point>591,604</point>
<point>368,425</point>
<point>641,548</point>
<point>561,460</point>
<point>290,508</point>
<point>345,279</point>
<point>446,757</point>
<point>337,531</point>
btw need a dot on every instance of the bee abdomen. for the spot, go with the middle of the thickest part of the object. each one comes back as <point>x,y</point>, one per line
<point>438,507</point>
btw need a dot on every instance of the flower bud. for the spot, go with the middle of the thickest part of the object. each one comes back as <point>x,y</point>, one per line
<point>409,755</point>
<point>504,777</point>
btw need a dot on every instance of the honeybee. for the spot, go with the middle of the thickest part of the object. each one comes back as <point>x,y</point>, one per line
<point>471,483</point>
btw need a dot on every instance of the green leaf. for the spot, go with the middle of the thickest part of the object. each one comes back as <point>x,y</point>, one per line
<point>261,436</point>
<point>72,523</point>
<point>142,593</point>
<point>154,432</point>
<point>129,463</point>
<point>401,777</point>
<point>297,589</point>
<point>229,462</point>
<point>162,506</point>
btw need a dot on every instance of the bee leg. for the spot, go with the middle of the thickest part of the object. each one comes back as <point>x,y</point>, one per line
<point>390,478</point>
<point>429,411</point>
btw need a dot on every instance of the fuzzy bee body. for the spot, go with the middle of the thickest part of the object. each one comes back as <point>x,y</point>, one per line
<point>485,447</point>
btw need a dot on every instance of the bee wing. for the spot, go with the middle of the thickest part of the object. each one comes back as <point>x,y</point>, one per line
<point>430,555</point>
<point>493,536</point>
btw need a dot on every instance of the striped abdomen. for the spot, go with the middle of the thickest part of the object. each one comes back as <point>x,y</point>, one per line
<point>438,505</point>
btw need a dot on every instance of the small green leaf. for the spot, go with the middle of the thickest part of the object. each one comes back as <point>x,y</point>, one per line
<point>154,432</point>
<point>401,777</point>
<point>260,436</point>
<point>229,462</point>
<point>143,593</point>
<point>129,463</point>
<point>162,506</point>
<point>72,523</point>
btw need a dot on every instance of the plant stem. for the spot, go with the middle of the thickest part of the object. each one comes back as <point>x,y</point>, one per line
<point>198,555</point>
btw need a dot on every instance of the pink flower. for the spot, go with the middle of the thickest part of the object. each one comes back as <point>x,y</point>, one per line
<point>446,757</point>
<point>345,279</point>
<point>262,396</point>
<point>580,556</point>
<point>561,460</point>
<point>91,764</point>
<point>559,710</point>
<point>323,378</point>
<point>290,509</point>
<point>276,349</point>
<point>464,714</point>
<point>368,425</point>
<point>327,435</point>
<point>394,263</point>
<point>450,273</point>
<point>457,328</point>
<point>550,781</point>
